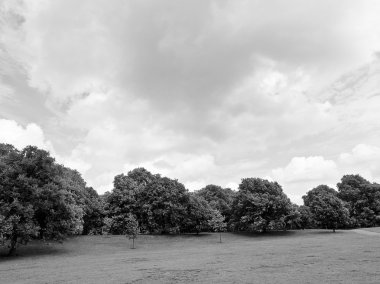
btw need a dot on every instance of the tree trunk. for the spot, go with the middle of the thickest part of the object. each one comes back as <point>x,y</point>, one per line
<point>333,230</point>
<point>133,243</point>
<point>13,245</point>
<point>220,237</point>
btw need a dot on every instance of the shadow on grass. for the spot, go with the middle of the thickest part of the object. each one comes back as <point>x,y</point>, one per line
<point>187,235</point>
<point>269,234</point>
<point>330,232</point>
<point>32,250</point>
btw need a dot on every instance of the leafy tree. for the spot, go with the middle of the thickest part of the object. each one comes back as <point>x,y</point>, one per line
<point>142,177</point>
<point>306,217</point>
<point>85,197</point>
<point>34,199</point>
<point>293,218</point>
<point>132,229</point>
<point>260,205</point>
<point>363,199</point>
<point>93,213</point>
<point>217,223</point>
<point>164,205</point>
<point>219,198</point>
<point>198,214</point>
<point>107,224</point>
<point>159,203</point>
<point>327,208</point>
<point>124,198</point>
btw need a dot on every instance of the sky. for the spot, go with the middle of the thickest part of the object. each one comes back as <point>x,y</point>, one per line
<point>206,92</point>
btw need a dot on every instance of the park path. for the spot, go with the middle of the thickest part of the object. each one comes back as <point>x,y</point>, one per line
<point>364,232</point>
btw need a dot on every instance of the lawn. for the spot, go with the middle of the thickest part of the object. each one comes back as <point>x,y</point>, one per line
<point>310,256</point>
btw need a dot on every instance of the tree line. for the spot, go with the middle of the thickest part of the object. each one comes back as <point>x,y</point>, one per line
<point>40,198</point>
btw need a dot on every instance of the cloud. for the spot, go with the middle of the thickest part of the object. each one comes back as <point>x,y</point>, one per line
<point>20,137</point>
<point>202,91</point>
<point>306,169</point>
<point>304,173</point>
<point>363,160</point>
<point>182,52</point>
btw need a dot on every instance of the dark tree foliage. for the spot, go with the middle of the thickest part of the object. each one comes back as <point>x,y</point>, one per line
<point>293,218</point>
<point>86,198</point>
<point>363,199</point>
<point>122,201</point>
<point>260,205</point>
<point>93,213</point>
<point>160,204</point>
<point>327,208</point>
<point>142,177</point>
<point>40,198</point>
<point>306,220</point>
<point>199,212</point>
<point>219,198</point>
<point>34,199</point>
<point>164,206</point>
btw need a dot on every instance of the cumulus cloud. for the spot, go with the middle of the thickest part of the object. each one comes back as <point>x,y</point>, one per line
<point>302,174</point>
<point>363,160</point>
<point>306,168</point>
<point>20,137</point>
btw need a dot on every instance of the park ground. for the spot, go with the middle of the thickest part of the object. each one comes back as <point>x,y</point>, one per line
<point>309,256</point>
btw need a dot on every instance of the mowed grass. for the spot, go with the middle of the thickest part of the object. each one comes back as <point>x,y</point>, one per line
<point>374,229</point>
<point>310,256</point>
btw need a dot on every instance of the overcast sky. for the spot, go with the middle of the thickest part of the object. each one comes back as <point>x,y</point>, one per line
<point>201,91</point>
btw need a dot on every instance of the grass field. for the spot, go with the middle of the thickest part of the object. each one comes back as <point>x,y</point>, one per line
<point>310,256</point>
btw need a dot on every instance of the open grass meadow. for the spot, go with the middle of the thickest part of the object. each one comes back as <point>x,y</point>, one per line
<point>310,256</point>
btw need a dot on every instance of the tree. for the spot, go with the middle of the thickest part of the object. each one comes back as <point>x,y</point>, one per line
<point>219,198</point>
<point>217,223</point>
<point>363,199</point>
<point>306,217</point>
<point>327,208</point>
<point>132,229</point>
<point>158,203</point>
<point>198,214</point>
<point>164,205</point>
<point>293,218</point>
<point>260,205</point>
<point>86,198</point>
<point>121,202</point>
<point>107,224</point>
<point>34,198</point>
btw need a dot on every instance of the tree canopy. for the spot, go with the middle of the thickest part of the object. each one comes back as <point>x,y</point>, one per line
<point>260,205</point>
<point>40,198</point>
<point>327,208</point>
<point>363,199</point>
<point>219,198</point>
<point>160,204</point>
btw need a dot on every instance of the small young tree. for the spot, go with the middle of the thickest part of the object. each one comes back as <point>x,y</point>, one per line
<point>132,228</point>
<point>217,223</point>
